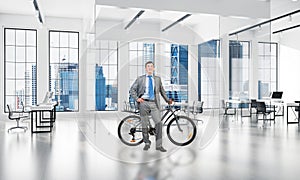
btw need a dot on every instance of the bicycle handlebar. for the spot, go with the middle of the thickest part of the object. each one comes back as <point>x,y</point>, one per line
<point>172,106</point>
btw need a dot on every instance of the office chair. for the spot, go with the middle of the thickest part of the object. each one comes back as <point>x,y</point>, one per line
<point>253,105</point>
<point>16,115</point>
<point>197,109</point>
<point>226,108</point>
<point>184,107</point>
<point>262,109</point>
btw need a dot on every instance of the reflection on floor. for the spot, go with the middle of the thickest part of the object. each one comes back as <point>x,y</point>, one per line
<point>236,150</point>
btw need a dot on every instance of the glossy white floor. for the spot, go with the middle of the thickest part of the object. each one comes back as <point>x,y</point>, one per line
<point>86,147</point>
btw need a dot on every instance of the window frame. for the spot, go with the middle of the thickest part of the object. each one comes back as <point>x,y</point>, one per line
<point>98,49</point>
<point>201,80</point>
<point>276,61</point>
<point>5,61</point>
<point>230,95</point>
<point>49,63</point>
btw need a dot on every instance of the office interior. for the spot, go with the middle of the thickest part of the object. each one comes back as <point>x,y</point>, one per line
<point>89,52</point>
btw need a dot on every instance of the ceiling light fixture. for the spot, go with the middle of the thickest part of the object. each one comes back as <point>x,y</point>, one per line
<point>38,11</point>
<point>259,28</point>
<point>174,23</point>
<point>134,19</point>
<point>290,19</point>
<point>265,22</point>
<point>285,29</point>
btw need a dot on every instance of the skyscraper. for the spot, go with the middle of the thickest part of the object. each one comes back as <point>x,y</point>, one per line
<point>100,89</point>
<point>179,72</point>
<point>148,52</point>
<point>183,64</point>
<point>27,88</point>
<point>174,64</point>
<point>33,88</point>
<point>68,85</point>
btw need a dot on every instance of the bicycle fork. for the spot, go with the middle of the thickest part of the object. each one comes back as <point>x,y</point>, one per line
<point>178,124</point>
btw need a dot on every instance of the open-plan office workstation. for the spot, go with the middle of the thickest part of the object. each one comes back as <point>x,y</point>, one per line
<point>231,68</point>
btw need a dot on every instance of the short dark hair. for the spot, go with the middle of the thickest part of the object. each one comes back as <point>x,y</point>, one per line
<point>149,62</point>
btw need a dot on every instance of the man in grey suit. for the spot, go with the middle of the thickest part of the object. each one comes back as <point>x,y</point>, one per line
<point>145,90</point>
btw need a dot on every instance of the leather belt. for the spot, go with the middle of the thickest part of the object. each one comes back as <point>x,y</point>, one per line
<point>149,100</point>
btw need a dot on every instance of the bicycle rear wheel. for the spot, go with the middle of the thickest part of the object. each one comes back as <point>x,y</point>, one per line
<point>130,130</point>
<point>181,130</point>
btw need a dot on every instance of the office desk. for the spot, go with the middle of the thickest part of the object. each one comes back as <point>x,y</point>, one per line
<point>292,106</point>
<point>239,104</point>
<point>41,122</point>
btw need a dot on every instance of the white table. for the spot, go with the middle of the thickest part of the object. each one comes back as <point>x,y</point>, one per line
<point>37,116</point>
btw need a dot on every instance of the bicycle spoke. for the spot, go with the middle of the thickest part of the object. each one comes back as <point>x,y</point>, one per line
<point>181,131</point>
<point>130,131</point>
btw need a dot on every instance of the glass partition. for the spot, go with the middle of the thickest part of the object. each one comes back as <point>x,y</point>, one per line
<point>197,60</point>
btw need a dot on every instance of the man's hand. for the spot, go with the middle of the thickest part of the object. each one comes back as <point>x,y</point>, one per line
<point>170,101</point>
<point>140,100</point>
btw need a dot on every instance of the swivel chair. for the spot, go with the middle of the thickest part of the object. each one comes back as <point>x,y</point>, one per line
<point>197,109</point>
<point>16,115</point>
<point>253,105</point>
<point>226,108</point>
<point>265,111</point>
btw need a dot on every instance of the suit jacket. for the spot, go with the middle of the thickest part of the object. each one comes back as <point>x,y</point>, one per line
<point>138,88</point>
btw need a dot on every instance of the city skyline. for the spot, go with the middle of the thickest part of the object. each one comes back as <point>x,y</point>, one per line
<point>106,95</point>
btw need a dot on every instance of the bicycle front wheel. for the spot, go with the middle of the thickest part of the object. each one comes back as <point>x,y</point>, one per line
<point>130,131</point>
<point>181,130</point>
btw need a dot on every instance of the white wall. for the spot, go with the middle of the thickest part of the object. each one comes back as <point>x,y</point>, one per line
<point>289,73</point>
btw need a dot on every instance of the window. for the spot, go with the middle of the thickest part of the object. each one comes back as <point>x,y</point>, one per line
<point>106,76</point>
<point>177,89</point>
<point>208,59</point>
<point>239,56</point>
<point>267,69</point>
<point>20,59</point>
<point>64,68</point>
<point>139,54</point>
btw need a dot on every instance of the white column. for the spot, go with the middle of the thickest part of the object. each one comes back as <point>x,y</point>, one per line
<point>123,74</point>
<point>253,74</point>
<point>224,67</point>
<point>193,73</point>
<point>42,63</point>
<point>83,79</point>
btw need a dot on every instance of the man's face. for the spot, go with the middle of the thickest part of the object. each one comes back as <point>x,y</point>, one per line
<point>149,69</point>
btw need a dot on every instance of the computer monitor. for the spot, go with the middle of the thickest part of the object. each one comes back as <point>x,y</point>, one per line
<point>277,95</point>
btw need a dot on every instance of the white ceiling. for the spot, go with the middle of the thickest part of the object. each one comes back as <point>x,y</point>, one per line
<point>126,14</point>
<point>280,7</point>
<point>163,9</point>
<point>244,8</point>
<point>54,8</point>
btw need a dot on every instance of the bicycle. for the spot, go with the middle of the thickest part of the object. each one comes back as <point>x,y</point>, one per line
<point>181,130</point>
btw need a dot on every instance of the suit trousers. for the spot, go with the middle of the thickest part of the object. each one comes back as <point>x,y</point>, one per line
<point>150,108</point>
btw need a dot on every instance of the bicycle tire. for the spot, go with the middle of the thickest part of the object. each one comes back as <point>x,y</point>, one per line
<point>190,135</point>
<point>120,134</point>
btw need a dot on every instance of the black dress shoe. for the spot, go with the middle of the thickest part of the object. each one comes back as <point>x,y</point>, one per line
<point>147,146</point>
<point>161,149</point>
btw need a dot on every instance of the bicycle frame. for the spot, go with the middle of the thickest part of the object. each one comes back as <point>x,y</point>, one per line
<point>166,116</point>
<point>169,118</point>
<point>169,109</point>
